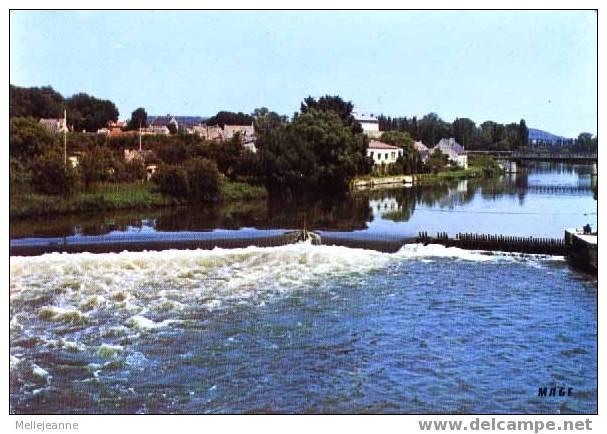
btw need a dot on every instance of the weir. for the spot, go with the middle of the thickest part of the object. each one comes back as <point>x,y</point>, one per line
<point>157,241</point>
<point>502,243</point>
<point>580,249</point>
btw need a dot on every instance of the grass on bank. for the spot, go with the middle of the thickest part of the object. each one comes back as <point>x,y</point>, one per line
<point>448,175</point>
<point>113,196</point>
<point>433,178</point>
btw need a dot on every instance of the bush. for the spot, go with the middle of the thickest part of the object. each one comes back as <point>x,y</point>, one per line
<point>51,176</point>
<point>203,180</point>
<point>172,181</point>
<point>97,165</point>
<point>131,171</point>
<point>27,137</point>
<point>437,161</point>
<point>19,176</point>
<point>198,180</point>
<point>488,164</point>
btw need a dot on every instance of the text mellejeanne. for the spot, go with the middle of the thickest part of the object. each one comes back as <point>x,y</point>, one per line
<point>45,426</point>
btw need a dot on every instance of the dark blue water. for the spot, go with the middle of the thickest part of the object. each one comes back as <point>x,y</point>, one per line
<point>301,329</point>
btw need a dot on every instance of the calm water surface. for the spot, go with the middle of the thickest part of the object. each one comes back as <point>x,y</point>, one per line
<point>315,329</point>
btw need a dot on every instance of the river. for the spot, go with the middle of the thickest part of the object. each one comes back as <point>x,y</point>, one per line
<point>314,329</point>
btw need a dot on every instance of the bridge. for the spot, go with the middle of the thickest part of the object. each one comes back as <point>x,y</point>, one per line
<point>577,157</point>
<point>549,189</point>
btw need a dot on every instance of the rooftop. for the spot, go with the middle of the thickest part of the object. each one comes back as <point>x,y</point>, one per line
<point>450,144</point>
<point>376,144</point>
<point>365,117</point>
<point>420,147</point>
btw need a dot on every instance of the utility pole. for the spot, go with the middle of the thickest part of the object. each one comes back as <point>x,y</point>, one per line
<point>140,136</point>
<point>64,139</point>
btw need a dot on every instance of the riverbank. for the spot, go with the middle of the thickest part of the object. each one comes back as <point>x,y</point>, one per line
<point>417,178</point>
<point>448,175</point>
<point>107,197</point>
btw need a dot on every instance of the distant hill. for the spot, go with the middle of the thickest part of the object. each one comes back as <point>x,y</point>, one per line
<point>544,136</point>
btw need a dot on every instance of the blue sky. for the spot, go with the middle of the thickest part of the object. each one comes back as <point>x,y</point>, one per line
<point>503,66</point>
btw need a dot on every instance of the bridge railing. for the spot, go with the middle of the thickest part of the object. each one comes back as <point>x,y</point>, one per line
<point>555,156</point>
<point>536,155</point>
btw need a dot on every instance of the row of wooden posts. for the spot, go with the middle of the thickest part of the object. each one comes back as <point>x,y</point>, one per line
<point>503,243</point>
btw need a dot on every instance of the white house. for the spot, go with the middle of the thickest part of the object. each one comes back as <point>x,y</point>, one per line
<point>383,153</point>
<point>454,151</point>
<point>422,150</point>
<point>246,131</point>
<point>369,123</point>
<point>155,130</point>
<point>58,125</point>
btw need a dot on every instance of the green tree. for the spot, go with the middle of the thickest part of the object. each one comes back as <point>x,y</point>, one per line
<point>523,132</point>
<point>204,183</point>
<point>316,152</point>
<point>266,120</point>
<point>336,105</point>
<point>198,180</point>
<point>97,165</point>
<point>29,139</point>
<point>226,154</point>
<point>436,161</point>
<point>223,118</point>
<point>87,113</point>
<point>51,176</point>
<point>171,180</point>
<point>432,128</point>
<point>397,138</point>
<point>130,171</point>
<point>585,142</point>
<point>139,118</point>
<point>463,131</point>
<point>37,102</point>
<point>20,177</point>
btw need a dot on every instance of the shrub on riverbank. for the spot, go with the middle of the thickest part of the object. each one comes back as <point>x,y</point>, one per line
<point>204,182</point>
<point>114,196</point>
<point>448,175</point>
<point>171,181</point>
<point>489,166</point>
<point>50,175</point>
<point>198,180</point>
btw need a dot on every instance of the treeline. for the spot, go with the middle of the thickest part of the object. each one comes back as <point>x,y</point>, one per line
<point>223,118</point>
<point>489,135</point>
<point>86,113</point>
<point>584,143</point>
<point>37,161</point>
<point>319,151</point>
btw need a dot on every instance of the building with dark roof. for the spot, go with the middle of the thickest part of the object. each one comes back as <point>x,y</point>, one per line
<point>454,151</point>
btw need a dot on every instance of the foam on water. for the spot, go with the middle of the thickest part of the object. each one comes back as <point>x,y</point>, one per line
<point>430,251</point>
<point>119,296</point>
<point>170,280</point>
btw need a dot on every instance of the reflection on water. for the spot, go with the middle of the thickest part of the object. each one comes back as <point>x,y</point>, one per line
<point>540,200</point>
